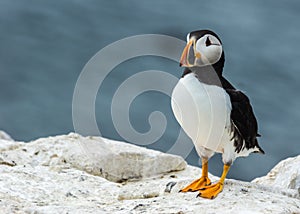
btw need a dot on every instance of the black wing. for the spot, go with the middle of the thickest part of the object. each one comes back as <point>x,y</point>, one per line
<point>226,84</point>
<point>243,120</point>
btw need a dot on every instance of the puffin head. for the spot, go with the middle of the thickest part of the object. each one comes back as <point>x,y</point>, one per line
<point>203,48</point>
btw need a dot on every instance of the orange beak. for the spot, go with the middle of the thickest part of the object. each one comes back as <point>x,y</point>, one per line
<point>184,57</point>
<point>185,54</point>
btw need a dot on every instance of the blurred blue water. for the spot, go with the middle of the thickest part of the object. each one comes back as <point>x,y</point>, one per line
<point>44,46</point>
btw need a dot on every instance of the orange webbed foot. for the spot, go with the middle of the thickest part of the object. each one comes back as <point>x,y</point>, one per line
<point>197,185</point>
<point>211,191</point>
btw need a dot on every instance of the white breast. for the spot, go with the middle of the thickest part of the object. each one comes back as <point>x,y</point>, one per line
<point>203,111</point>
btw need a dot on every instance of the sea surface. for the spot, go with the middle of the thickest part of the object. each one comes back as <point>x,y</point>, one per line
<point>44,46</point>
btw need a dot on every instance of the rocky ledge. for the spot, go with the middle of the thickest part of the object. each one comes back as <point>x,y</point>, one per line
<point>75,174</point>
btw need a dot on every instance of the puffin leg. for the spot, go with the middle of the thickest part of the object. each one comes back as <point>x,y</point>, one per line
<point>201,182</point>
<point>213,190</point>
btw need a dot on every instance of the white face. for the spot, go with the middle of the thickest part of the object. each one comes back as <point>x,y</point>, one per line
<point>209,48</point>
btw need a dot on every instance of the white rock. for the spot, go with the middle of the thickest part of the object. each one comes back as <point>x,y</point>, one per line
<point>286,174</point>
<point>5,136</point>
<point>6,147</point>
<point>113,160</point>
<point>60,175</point>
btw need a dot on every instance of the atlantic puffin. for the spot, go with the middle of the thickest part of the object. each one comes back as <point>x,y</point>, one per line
<point>212,112</point>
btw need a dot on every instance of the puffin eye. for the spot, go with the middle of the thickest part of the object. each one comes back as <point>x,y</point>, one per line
<point>207,42</point>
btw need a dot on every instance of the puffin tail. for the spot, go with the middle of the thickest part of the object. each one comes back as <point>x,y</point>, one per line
<point>260,150</point>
